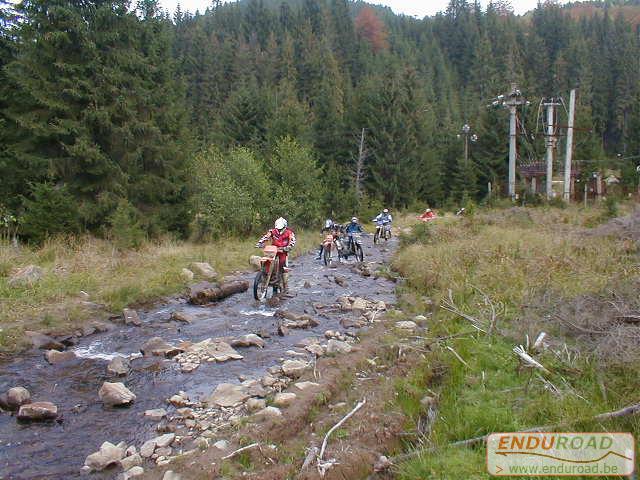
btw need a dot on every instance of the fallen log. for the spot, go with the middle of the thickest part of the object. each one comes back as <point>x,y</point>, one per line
<point>205,292</point>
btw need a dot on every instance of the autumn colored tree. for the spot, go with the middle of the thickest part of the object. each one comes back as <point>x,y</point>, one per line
<point>371,29</point>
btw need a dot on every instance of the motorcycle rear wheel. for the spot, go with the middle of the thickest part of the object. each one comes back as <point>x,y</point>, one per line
<point>359,253</point>
<point>327,256</point>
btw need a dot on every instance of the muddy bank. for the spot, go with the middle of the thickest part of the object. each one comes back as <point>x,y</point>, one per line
<point>58,449</point>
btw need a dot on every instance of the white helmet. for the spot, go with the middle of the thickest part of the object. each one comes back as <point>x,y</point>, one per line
<point>328,223</point>
<point>386,210</point>
<point>280,224</point>
<point>354,220</point>
<point>428,210</point>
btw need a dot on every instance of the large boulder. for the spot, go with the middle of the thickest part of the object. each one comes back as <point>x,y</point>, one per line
<point>115,394</point>
<point>186,274</point>
<point>268,413</point>
<point>109,454</point>
<point>294,368</point>
<point>228,395</point>
<point>55,357</point>
<point>118,367</point>
<point>133,472</point>
<point>131,461</point>
<point>218,350</point>
<point>26,276</point>
<point>251,340</point>
<point>158,347</point>
<point>38,411</point>
<point>204,270</point>
<point>43,342</point>
<point>130,317</point>
<point>169,475</point>
<point>14,398</point>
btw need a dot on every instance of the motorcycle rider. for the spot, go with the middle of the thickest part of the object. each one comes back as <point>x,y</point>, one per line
<point>284,238</point>
<point>383,217</point>
<point>353,227</point>
<point>328,227</point>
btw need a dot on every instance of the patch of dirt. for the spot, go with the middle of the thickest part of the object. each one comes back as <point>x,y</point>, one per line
<point>626,228</point>
<point>345,380</point>
<point>605,325</point>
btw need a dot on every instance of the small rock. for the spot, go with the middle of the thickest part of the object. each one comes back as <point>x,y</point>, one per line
<point>202,443</point>
<point>306,285</point>
<point>263,333</point>
<point>268,413</point>
<point>186,274</point>
<point>54,356</point>
<point>427,402</point>
<point>131,317</point>
<point>163,451</point>
<point>43,342</point>
<point>118,367</point>
<point>228,395</point>
<point>115,394</point>
<point>222,445</point>
<point>419,319</point>
<point>169,475</point>
<point>183,317</point>
<point>382,464</point>
<point>158,347</point>
<point>109,454</point>
<point>189,367</point>
<point>15,398</point>
<point>306,385</point>
<point>269,381</point>
<point>336,346</point>
<point>25,276</point>
<point>190,423</point>
<point>284,399</point>
<point>186,412</point>
<point>132,450</point>
<point>406,325</point>
<point>250,340</point>
<point>38,411</point>
<point>179,400</point>
<point>315,349</point>
<point>147,448</point>
<point>340,280</point>
<point>131,461</point>
<point>359,304</point>
<point>204,269</point>
<point>294,368</point>
<point>133,472</point>
<point>353,322</point>
<point>156,414</point>
<point>282,330</point>
<point>255,404</point>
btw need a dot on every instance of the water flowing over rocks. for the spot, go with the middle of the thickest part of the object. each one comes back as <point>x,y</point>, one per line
<point>115,394</point>
<point>44,342</point>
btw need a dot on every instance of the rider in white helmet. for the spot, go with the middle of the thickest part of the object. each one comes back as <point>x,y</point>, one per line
<point>281,236</point>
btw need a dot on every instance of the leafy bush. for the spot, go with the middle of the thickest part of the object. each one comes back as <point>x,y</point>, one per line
<point>420,233</point>
<point>610,207</point>
<point>298,187</point>
<point>126,230</point>
<point>233,193</point>
<point>49,210</point>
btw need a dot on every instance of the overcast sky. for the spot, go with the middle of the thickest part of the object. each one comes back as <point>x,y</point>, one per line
<point>419,8</point>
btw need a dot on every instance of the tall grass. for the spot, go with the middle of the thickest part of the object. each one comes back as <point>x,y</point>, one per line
<point>111,277</point>
<point>517,257</point>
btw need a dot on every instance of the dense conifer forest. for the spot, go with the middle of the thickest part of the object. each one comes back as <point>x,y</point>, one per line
<point>118,118</point>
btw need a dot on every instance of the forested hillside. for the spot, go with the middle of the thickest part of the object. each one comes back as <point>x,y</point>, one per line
<point>121,120</point>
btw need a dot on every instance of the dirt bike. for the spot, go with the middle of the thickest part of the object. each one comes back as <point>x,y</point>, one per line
<point>383,231</point>
<point>353,247</point>
<point>270,275</point>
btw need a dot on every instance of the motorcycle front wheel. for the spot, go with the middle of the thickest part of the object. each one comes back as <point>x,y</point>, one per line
<point>376,237</point>
<point>359,253</point>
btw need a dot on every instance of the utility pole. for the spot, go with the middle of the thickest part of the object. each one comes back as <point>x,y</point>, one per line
<point>569,151</point>
<point>551,104</point>
<point>466,132</point>
<point>513,101</point>
<point>360,166</point>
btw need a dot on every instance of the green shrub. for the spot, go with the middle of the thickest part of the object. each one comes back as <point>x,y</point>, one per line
<point>126,230</point>
<point>610,207</point>
<point>49,210</point>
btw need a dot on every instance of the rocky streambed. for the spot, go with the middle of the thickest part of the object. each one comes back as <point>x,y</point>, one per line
<point>171,378</point>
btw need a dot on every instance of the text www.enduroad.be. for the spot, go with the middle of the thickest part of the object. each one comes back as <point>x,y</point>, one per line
<point>564,469</point>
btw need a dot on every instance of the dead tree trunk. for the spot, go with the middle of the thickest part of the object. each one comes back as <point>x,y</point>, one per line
<point>206,292</point>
